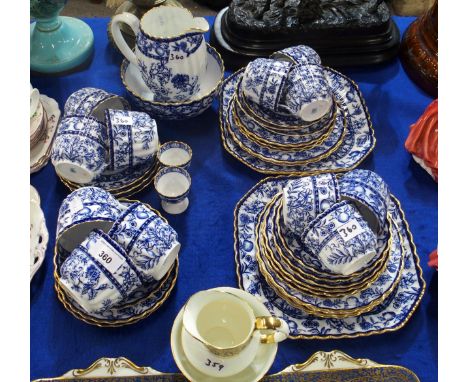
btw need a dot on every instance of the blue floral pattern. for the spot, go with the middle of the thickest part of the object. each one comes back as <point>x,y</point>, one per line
<point>263,82</point>
<point>133,138</point>
<point>159,61</point>
<point>390,315</point>
<point>147,239</point>
<point>337,253</point>
<point>358,141</point>
<point>370,192</point>
<point>299,54</point>
<point>305,85</point>
<point>84,101</point>
<point>175,111</point>
<point>305,198</point>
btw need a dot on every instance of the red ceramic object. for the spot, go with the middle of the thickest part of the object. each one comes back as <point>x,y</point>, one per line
<point>423,140</point>
<point>434,259</point>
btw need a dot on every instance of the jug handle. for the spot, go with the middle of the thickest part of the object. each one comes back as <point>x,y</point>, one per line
<point>133,22</point>
<point>200,24</point>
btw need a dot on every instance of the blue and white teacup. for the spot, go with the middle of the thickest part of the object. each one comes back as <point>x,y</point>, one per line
<point>170,50</point>
<point>80,149</point>
<point>341,239</point>
<point>305,198</point>
<point>370,194</point>
<point>150,242</point>
<point>82,211</point>
<point>173,185</point>
<point>175,154</point>
<point>93,102</point>
<point>299,54</point>
<point>307,93</point>
<point>98,273</point>
<point>133,138</point>
<point>263,82</point>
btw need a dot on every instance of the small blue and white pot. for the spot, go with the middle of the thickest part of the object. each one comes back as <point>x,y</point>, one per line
<point>82,211</point>
<point>93,102</point>
<point>307,93</point>
<point>305,198</point>
<point>341,239</point>
<point>151,243</point>
<point>133,138</point>
<point>98,275</point>
<point>173,185</point>
<point>175,154</point>
<point>170,50</point>
<point>80,149</point>
<point>263,82</point>
<point>370,194</point>
<point>299,54</point>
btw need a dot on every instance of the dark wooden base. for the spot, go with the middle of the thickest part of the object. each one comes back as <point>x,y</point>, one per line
<point>345,49</point>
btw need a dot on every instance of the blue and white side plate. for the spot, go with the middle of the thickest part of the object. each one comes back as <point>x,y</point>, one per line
<point>356,145</point>
<point>142,97</point>
<point>391,315</point>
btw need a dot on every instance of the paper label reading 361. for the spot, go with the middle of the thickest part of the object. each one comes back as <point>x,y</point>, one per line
<point>350,230</point>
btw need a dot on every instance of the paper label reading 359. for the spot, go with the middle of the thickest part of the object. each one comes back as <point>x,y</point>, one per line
<point>350,230</point>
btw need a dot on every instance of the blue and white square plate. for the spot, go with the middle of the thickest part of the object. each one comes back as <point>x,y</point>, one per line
<point>390,315</point>
<point>354,146</point>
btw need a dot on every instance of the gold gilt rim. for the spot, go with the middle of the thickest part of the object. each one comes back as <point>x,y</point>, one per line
<point>326,154</point>
<point>103,323</point>
<point>341,335</point>
<point>263,121</point>
<point>183,103</point>
<point>325,277</point>
<point>287,172</point>
<point>281,146</point>
<point>124,191</point>
<point>305,285</point>
<point>324,312</point>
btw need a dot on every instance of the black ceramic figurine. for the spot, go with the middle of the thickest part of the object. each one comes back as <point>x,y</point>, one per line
<point>343,32</point>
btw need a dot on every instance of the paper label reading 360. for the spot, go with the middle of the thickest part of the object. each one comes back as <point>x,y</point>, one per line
<point>350,230</point>
<point>111,260</point>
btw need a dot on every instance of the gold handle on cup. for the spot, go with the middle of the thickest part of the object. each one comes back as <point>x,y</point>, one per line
<point>272,323</point>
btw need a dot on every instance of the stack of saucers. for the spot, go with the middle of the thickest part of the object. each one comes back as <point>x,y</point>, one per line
<point>333,257</point>
<point>44,115</point>
<point>101,143</point>
<point>289,114</point>
<point>116,261</point>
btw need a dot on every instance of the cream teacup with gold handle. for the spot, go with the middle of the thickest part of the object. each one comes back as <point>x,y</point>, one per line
<point>221,334</point>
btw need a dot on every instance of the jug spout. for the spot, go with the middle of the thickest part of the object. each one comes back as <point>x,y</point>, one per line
<point>200,24</point>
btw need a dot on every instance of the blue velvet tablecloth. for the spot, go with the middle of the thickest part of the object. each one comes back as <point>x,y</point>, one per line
<point>60,342</point>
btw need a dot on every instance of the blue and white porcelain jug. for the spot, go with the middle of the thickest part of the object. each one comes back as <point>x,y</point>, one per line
<point>170,50</point>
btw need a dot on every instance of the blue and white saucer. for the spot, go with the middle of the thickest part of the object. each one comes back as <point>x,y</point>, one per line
<point>124,183</point>
<point>142,97</point>
<point>356,144</point>
<point>390,315</point>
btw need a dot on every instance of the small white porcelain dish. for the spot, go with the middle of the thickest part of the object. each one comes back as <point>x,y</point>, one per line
<point>142,97</point>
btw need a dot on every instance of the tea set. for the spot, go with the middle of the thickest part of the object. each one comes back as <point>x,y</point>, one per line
<point>318,255</point>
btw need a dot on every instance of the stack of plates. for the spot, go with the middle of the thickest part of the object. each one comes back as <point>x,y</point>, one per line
<point>273,265</point>
<point>43,125</point>
<point>146,300</point>
<point>279,143</point>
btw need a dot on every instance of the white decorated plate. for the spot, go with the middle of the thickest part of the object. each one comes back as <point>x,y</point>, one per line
<point>358,141</point>
<point>38,235</point>
<point>39,154</point>
<point>391,315</point>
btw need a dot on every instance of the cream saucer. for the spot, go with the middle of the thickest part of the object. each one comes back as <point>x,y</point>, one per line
<point>260,366</point>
